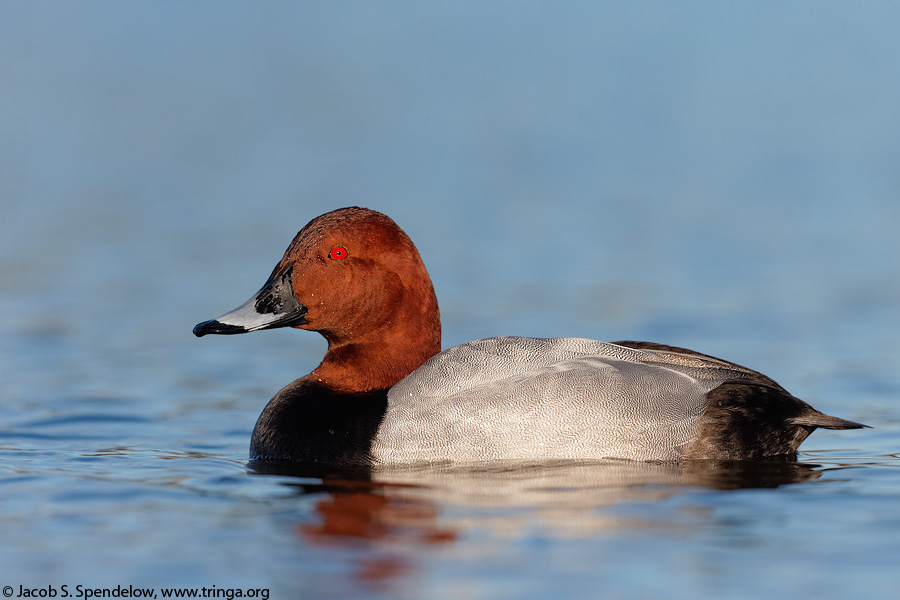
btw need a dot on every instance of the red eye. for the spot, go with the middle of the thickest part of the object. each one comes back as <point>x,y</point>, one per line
<point>337,253</point>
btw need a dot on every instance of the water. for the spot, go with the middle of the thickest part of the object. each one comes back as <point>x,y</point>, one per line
<point>722,178</point>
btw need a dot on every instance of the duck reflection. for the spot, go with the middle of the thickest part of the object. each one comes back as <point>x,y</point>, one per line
<point>407,501</point>
<point>418,507</point>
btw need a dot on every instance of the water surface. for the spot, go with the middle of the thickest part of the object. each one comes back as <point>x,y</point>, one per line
<point>721,178</point>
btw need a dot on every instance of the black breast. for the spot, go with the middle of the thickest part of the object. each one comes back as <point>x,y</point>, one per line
<point>310,423</point>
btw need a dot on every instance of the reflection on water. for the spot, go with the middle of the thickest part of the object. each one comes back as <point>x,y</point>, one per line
<point>431,506</point>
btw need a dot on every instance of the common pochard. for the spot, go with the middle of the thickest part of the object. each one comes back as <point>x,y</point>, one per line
<point>385,393</point>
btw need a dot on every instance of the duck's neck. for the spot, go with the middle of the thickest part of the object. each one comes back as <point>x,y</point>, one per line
<point>385,343</point>
<point>376,364</point>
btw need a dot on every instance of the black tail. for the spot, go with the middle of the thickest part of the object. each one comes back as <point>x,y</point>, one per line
<point>747,419</point>
<point>818,419</point>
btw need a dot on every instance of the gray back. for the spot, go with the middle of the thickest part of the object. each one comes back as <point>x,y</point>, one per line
<point>526,398</point>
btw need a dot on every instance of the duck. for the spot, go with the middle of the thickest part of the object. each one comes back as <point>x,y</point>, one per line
<point>386,394</point>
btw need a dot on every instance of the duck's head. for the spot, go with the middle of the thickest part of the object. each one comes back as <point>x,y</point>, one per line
<point>352,275</point>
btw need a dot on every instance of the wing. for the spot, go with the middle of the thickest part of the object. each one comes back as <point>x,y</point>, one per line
<point>556,398</point>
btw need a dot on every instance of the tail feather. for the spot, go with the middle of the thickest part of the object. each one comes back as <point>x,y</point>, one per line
<point>818,419</point>
<point>749,419</point>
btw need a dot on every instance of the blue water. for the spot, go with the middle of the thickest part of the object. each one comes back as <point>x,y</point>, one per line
<point>721,177</point>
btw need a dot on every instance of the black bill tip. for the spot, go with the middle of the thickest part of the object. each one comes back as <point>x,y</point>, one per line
<point>217,327</point>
